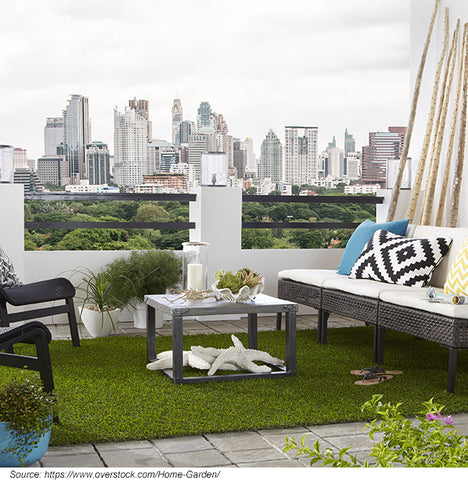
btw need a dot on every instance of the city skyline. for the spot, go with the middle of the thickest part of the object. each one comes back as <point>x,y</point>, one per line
<point>263,65</point>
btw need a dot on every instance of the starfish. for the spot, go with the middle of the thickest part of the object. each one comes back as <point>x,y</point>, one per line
<point>244,358</point>
<point>212,359</point>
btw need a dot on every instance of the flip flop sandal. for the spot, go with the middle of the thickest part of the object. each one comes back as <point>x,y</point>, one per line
<point>375,369</point>
<point>372,379</point>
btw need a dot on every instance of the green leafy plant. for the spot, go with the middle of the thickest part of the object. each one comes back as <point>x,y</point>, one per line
<point>235,281</point>
<point>143,273</point>
<point>430,441</point>
<point>28,412</point>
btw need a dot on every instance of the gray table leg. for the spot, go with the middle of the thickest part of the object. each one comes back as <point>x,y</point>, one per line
<point>252,330</point>
<point>290,330</point>
<point>150,334</point>
<point>177,349</point>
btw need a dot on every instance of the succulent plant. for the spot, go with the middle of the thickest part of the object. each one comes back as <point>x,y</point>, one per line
<point>235,281</point>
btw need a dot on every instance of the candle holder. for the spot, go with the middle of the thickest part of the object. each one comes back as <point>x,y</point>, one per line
<point>195,266</point>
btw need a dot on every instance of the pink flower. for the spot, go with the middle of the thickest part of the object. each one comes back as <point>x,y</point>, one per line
<point>449,420</point>
<point>431,416</point>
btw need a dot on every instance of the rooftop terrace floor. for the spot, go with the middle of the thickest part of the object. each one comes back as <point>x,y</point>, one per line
<point>251,449</point>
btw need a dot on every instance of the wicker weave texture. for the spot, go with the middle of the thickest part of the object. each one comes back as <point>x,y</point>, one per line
<point>447,331</point>
<point>350,305</point>
<point>297,292</point>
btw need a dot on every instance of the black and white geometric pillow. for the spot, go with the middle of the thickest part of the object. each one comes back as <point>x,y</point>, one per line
<point>400,260</point>
<point>8,277</point>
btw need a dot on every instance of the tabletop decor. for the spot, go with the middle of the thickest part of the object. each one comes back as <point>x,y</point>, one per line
<point>240,286</point>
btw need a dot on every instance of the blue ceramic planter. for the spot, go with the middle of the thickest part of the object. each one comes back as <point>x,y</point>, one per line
<point>8,438</point>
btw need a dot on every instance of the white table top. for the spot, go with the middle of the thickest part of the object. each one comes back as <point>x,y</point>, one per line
<point>176,305</point>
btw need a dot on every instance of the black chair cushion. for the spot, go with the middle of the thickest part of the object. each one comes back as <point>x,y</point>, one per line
<point>9,335</point>
<point>38,292</point>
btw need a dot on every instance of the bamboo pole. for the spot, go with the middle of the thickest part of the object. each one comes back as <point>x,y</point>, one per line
<point>415,192</point>
<point>448,162</point>
<point>409,132</point>
<point>439,138</point>
<point>461,148</point>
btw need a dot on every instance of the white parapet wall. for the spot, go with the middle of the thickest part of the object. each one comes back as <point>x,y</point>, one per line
<point>217,213</point>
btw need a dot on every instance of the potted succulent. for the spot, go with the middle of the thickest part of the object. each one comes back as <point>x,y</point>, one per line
<point>99,310</point>
<point>143,273</point>
<point>26,417</point>
<point>240,286</point>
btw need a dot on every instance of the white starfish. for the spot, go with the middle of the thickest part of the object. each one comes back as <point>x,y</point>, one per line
<point>212,359</point>
<point>244,358</point>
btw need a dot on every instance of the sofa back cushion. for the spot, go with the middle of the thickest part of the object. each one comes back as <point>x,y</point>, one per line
<point>400,260</point>
<point>361,236</point>
<point>458,236</point>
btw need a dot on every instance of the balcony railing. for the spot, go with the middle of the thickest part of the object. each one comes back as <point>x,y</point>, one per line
<point>184,197</point>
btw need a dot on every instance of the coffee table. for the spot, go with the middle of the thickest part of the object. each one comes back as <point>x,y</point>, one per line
<point>179,309</point>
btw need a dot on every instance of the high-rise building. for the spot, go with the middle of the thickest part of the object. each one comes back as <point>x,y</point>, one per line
<point>130,151</point>
<point>186,129</point>
<point>251,161</point>
<point>53,169</point>
<point>77,134</point>
<point>198,144</point>
<point>271,158</point>
<point>97,159</point>
<point>205,117</point>
<point>353,166</point>
<point>177,119</point>
<point>349,143</point>
<point>161,155</point>
<point>238,156</point>
<point>141,107</point>
<point>383,147</point>
<point>336,162</point>
<point>300,154</point>
<point>54,133</point>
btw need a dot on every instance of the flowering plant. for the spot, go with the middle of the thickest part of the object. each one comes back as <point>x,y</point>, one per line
<point>429,442</point>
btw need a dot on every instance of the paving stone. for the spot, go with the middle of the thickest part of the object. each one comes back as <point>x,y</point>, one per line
<point>133,445</point>
<point>203,458</point>
<point>228,442</point>
<point>70,449</point>
<point>182,444</point>
<point>354,442</point>
<point>255,455</point>
<point>139,457</point>
<point>338,429</point>
<point>71,460</point>
<point>285,463</point>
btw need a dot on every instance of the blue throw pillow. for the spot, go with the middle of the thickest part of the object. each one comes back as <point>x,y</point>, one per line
<point>362,235</point>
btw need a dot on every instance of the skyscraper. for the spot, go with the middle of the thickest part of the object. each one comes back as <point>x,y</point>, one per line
<point>77,134</point>
<point>205,117</point>
<point>271,158</point>
<point>238,158</point>
<point>177,118</point>
<point>130,142</point>
<point>349,143</point>
<point>141,107</point>
<point>300,154</point>
<point>97,159</point>
<point>54,133</point>
<point>186,129</point>
<point>383,147</point>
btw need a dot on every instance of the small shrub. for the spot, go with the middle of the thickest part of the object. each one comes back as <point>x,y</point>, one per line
<point>431,441</point>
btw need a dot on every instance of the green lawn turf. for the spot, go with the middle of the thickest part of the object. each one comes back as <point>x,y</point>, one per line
<point>107,393</point>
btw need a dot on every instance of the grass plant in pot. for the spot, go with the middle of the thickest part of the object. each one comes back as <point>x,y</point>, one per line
<point>100,310</point>
<point>26,417</point>
<point>143,273</point>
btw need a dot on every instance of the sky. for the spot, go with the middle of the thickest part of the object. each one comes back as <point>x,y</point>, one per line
<point>263,64</point>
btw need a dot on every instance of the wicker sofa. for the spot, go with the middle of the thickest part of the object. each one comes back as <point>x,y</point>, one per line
<point>386,306</point>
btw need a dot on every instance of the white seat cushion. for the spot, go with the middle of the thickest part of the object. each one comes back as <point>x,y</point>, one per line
<point>309,276</point>
<point>418,300</point>
<point>366,288</point>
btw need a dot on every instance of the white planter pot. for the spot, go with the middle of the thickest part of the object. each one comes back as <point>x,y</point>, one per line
<point>126,314</point>
<point>99,324</point>
<point>139,317</point>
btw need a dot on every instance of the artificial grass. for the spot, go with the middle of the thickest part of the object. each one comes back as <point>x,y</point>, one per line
<point>107,394</point>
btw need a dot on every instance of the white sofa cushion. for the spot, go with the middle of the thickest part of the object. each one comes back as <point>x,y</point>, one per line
<point>417,299</point>
<point>458,236</point>
<point>366,288</point>
<point>309,276</point>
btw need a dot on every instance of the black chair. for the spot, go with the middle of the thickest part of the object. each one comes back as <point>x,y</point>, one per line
<point>52,290</point>
<point>33,333</point>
